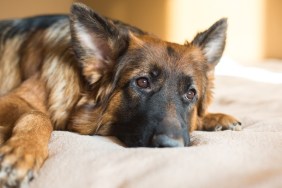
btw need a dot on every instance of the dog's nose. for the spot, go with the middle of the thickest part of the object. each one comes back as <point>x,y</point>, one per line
<point>163,140</point>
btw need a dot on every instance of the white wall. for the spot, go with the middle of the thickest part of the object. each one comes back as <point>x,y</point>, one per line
<point>245,18</point>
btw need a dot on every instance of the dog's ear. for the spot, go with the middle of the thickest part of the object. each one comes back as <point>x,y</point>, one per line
<point>212,42</point>
<point>96,41</point>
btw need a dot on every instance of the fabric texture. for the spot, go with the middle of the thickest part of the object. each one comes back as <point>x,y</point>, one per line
<point>248,158</point>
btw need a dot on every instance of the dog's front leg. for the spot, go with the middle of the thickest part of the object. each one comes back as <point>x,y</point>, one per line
<point>25,133</point>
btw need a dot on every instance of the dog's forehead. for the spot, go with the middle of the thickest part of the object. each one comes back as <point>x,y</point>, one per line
<point>186,59</point>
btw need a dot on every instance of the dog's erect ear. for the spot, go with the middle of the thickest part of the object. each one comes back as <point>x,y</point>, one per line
<point>96,41</point>
<point>212,41</point>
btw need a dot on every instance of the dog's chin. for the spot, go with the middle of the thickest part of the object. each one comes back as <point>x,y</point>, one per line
<point>132,136</point>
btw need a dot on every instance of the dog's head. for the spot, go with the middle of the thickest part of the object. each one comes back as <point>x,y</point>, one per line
<point>146,92</point>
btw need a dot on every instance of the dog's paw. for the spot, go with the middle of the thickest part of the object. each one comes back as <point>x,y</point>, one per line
<point>220,122</point>
<point>237,126</point>
<point>17,164</point>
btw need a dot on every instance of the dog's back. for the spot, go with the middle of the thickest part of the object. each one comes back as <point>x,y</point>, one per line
<point>41,47</point>
<point>26,44</point>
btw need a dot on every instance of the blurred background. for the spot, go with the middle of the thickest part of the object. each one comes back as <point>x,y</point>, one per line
<point>255,26</point>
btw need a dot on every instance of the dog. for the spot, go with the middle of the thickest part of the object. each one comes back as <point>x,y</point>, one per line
<point>93,75</point>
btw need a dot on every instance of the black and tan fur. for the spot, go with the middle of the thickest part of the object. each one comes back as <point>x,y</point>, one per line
<point>92,75</point>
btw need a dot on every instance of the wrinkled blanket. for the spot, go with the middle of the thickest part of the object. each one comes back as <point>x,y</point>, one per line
<point>249,158</point>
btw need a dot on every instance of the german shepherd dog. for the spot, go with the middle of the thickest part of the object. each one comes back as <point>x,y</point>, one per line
<point>95,76</point>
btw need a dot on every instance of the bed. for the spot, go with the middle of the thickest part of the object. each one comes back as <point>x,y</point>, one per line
<point>249,158</point>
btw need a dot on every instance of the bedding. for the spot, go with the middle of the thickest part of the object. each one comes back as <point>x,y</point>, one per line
<point>249,158</point>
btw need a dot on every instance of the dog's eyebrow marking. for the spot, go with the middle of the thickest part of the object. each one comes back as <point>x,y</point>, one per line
<point>171,52</point>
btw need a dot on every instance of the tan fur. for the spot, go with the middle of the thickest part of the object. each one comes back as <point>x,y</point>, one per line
<point>63,90</point>
<point>9,71</point>
<point>28,147</point>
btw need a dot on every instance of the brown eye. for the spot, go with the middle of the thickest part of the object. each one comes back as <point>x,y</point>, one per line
<point>143,83</point>
<point>190,94</point>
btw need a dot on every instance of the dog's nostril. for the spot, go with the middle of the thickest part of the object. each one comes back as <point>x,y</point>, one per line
<point>166,141</point>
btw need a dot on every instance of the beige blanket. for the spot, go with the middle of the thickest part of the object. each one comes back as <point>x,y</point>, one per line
<point>250,158</point>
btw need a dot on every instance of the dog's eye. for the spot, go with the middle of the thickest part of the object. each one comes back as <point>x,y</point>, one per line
<point>143,83</point>
<point>190,94</point>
